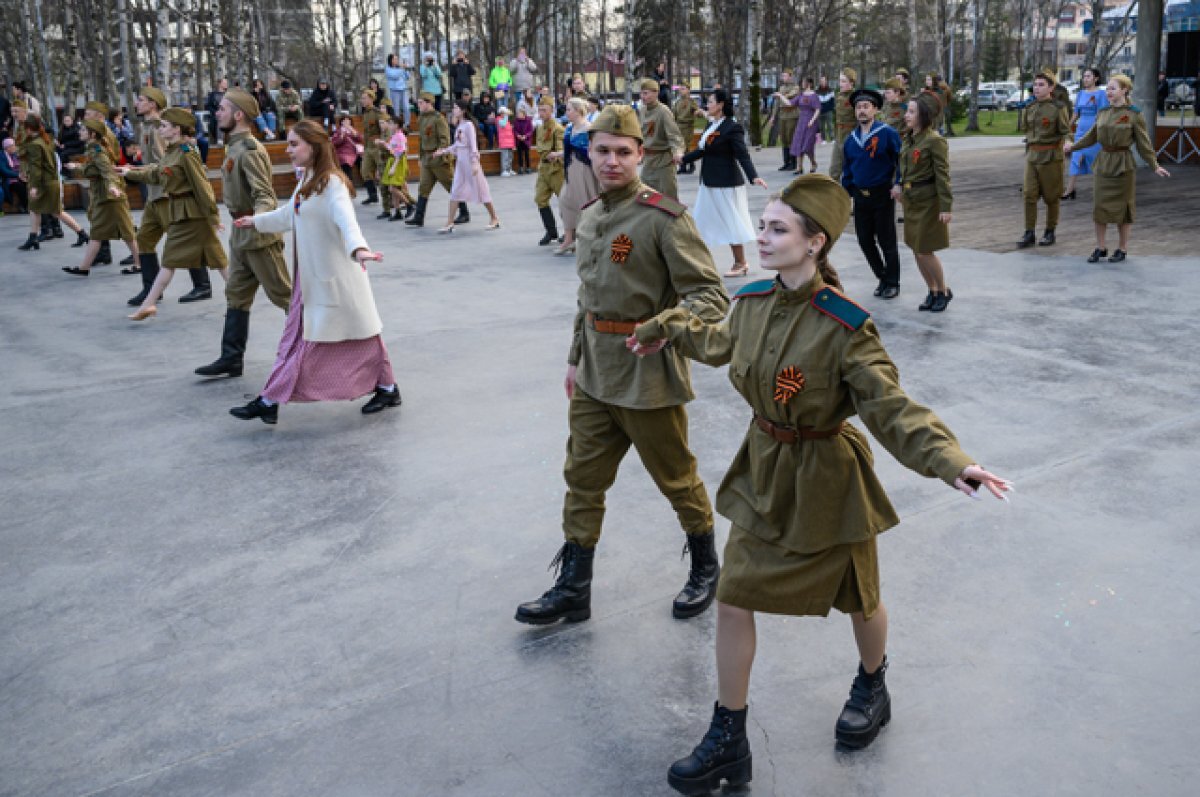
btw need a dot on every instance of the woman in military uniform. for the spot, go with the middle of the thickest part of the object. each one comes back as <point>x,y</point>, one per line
<point>108,206</point>
<point>802,495</point>
<point>36,153</point>
<point>924,190</point>
<point>194,221</point>
<point>1118,127</point>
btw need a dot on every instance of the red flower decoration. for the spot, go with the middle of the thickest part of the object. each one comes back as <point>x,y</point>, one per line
<point>166,170</point>
<point>1123,119</point>
<point>916,156</point>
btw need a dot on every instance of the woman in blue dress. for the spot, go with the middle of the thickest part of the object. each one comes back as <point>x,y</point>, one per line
<point>1088,102</point>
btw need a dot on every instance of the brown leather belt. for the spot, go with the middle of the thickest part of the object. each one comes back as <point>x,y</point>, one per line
<point>241,214</point>
<point>1116,149</point>
<point>1044,147</point>
<point>612,327</point>
<point>793,434</point>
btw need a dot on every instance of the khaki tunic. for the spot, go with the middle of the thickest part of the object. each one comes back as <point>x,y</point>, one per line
<point>662,141</point>
<point>108,216</point>
<point>435,170</point>
<point>546,139</point>
<point>191,209</point>
<point>37,163</point>
<point>371,160</point>
<point>1047,125</point>
<point>809,509</point>
<point>154,220</point>
<point>639,253</point>
<point>684,112</point>
<point>788,114</point>
<point>892,115</point>
<point>1118,128</point>
<point>925,185</point>
<point>844,123</point>
<point>255,258</point>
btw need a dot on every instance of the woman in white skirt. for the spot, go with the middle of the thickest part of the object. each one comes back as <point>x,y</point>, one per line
<point>721,211</point>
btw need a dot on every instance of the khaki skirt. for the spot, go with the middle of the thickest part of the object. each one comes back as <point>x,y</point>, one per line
<point>193,243</point>
<point>762,577</point>
<point>1114,199</point>
<point>923,233</point>
<point>49,199</point>
<point>110,221</point>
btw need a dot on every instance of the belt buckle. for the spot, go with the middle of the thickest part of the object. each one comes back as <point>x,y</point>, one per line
<point>907,186</point>
<point>864,192</point>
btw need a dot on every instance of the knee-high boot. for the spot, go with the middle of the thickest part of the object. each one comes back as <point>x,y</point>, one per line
<point>149,263</point>
<point>233,346</point>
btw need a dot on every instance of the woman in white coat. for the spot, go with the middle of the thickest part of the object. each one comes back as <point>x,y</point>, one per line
<point>331,348</point>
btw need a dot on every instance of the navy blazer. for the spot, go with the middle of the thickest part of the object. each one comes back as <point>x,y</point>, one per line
<point>724,152</point>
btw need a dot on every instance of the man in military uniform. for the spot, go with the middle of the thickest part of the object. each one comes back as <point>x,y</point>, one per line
<point>371,162</point>
<point>638,253</point>
<point>150,104</point>
<point>254,258</point>
<point>548,141</point>
<point>843,119</point>
<point>685,111</point>
<point>435,169</point>
<point>1047,125</point>
<point>663,143</point>
<point>895,104</point>
<point>788,115</point>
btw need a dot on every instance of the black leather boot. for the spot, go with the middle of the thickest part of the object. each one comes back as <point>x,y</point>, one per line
<point>104,256</point>
<point>233,346</point>
<point>56,227</point>
<point>570,598</point>
<point>418,218</point>
<point>81,239</point>
<point>701,587</point>
<point>30,243</point>
<point>372,194</point>
<point>1048,238</point>
<point>723,754</point>
<point>464,215</point>
<point>257,409</point>
<point>1027,240</point>
<point>551,227</point>
<point>47,232</point>
<point>868,709</point>
<point>149,265</point>
<point>1097,253</point>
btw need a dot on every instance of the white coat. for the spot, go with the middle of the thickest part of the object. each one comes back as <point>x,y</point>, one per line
<point>338,303</point>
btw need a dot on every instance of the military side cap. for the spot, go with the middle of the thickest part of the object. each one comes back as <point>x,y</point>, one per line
<point>244,101</point>
<point>97,106</point>
<point>20,104</point>
<point>850,73</point>
<point>620,120</point>
<point>180,118</point>
<point>1048,74</point>
<point>822,199</point>
<point>96,126</point>
<point>649,84</point>
<point>895,84</point>
<point>905,72</point>
<point>840,309</point>
<point>154,95</point>
<point>870,95</point>
<point>426,96</point>
<point>386,102</point>
<point>546,102</point>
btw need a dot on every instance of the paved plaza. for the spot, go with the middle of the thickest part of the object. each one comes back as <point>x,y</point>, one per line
<point>195,605</point>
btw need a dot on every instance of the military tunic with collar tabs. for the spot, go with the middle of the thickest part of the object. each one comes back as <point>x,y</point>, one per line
<point>256,258</point>
<point>639,253</point>
<point>788,114</point>
<point>844,122</point>
<point>662,141</point>
<point>108,216</point>
<point>807,358</point>
<point>926,192</point>
<point>439,169</point>
<point>41,172</point>
<point>191,208</point>
<point>1118,129</point>
<point>892,115</point>
<point>372,161</point>
<point>1047,125</point>
<point>550,172</point>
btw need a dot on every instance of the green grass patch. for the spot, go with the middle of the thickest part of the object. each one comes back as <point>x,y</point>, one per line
<point>991,123</point>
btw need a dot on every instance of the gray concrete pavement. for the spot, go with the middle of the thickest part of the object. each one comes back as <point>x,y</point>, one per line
<point>194,605</point>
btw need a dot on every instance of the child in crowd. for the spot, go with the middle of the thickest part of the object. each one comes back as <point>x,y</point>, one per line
<point>395,172</point>
<point>523,133</point>
<point>507,141</point>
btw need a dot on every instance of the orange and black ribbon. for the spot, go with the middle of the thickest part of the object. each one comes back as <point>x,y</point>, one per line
<point>621,247</point>
<point>789,382</point>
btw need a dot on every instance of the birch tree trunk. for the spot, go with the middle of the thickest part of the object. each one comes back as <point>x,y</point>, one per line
<point>130,82</point>
<point>162,49</point>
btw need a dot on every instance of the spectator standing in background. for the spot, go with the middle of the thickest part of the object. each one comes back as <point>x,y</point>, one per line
<point>462,75</point>
<point>1164,88</point>
<point>522,68</point>
<point>500,80</point>
<point>523,139</point>
<point>398,77</point>
<point>212,103</point>
<point>431,80</point>
<point>827,97</point>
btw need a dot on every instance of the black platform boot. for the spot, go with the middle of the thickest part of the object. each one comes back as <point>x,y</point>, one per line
<point>1027,240</point>
<point>570,598</point>
<point>868,709</point>
<point>233,345</point>
<point>372,194</point>
<point>464,215</point>
<point>30,243</point>
<point>418,218</point>
<point>701,587</point>
<point>149,265</point>
<point>81,239</point>
<point>723,754</point>
<point>104,256</point>
<point>1047,239</point>
<point>551,227</point>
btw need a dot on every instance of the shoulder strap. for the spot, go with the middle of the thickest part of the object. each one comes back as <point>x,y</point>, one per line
<point>757,288</point>
<point>840,309</point>
<point>653,199</point>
